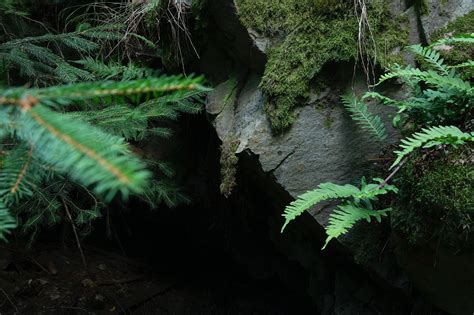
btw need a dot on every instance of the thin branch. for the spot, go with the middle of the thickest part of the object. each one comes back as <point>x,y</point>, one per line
<point>66,208</point>
<point>395,171</point>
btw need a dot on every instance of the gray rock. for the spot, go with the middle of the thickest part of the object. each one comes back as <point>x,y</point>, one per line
<point>440,13</point>
<point>323,145</point>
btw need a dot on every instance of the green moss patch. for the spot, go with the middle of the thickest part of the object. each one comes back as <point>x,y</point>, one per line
<point>306,35</point>
<point>436,200</point>
<point>460,52</point>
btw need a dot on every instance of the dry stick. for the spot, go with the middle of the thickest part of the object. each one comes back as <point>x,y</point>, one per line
<point>395,171</point>
<point>75,232</point>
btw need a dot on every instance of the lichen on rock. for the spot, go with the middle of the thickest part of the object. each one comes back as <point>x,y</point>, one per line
<point>306,35</point>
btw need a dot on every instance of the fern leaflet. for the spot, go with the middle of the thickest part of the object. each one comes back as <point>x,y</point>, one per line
<point>323,192</point>
<point>346,215</point>
<point>429,137</point>
<point>362,116</point>
<point>461,38</point>
<point>432,57</point>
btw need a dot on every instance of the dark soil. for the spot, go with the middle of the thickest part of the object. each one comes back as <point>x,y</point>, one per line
<point>53,280</point>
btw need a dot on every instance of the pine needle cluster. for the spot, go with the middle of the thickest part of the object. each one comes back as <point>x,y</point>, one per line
<point>66,134</point>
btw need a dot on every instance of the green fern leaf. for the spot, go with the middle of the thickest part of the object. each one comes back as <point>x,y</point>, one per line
<point>430,77</point>
<point>432,57</point>
<point>362,116</point>
<point>346,215</point>
<point>325,191</point>
<point>429,137</point>
<point>467,64</point>
<point>461,38</point>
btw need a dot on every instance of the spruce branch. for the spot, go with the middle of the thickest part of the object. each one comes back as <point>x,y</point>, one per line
<point>86,153</point>
<point>7,222</point>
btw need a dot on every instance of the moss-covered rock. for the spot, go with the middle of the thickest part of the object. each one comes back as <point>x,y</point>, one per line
<point>306,35</point>
<point>436,200</point>
<point>459,52</point>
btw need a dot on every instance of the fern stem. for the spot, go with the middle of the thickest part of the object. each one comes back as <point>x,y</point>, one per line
<point>395,171</point>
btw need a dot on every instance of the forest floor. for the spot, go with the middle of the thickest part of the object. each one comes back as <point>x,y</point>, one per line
<point>52,280</point>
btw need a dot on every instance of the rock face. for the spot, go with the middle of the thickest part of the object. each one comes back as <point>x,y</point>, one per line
<point>323,144</point>
<point>440,13</point>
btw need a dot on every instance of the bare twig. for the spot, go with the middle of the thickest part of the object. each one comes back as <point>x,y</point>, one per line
<point>365,40</point>
<point>395,171</point>
<point>66,208</point>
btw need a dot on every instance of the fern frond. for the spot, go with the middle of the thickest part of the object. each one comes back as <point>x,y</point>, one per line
<point>430,77</point>
<point>429,137</point>
<point>7,222</point>
<point>461,38</point>
<point>385,100</point>
<point>467,64</point>
<point>87,154</point>
<point>325,191</point>
<point>430,56</point>
<point>361,115</point>
<point>346,215</point>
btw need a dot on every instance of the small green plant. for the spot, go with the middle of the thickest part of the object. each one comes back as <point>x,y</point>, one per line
<point>430,137</point>
<point>360,113</point>
<point>439,95</point>
<point>356,205</point>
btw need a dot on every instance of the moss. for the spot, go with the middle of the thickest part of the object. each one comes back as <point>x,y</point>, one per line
<point>460,52</point>
<point>306,35</point>
<point>436,200</point>
<point>229,98</point>
<point>228,164</point>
